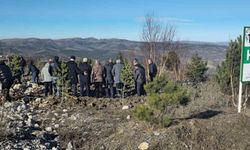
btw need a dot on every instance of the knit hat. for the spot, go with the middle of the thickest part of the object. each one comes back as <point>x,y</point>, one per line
<point>73,57</point>
<point>85,59</point>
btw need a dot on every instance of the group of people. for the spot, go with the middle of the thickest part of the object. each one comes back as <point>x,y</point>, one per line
<point>106,78</point>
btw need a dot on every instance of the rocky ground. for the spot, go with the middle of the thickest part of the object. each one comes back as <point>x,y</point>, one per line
<point>33,122</point>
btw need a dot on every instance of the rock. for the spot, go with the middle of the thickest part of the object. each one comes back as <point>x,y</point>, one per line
<point>42,147</point>
<point>36,125</point>
<point>125,107</point>
<point>73,117</point>
<point>65,110</point>
<point>56,114</point>
<point>26,99</point>
<point>143,146</point>
<point>56,126</point>
<point>38,100</point>
<point>19,109</point>
<point>8,104</point>
<point>128,117</point>
<point>48,129</point>
<point>17,86</point>
<point>65,115</point>
<point>70,146</point>
<point>156,133</point>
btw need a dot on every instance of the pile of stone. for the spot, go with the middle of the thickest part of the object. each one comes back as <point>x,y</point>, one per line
<point>26,131</point>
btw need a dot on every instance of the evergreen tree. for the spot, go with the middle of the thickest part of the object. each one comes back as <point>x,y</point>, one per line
<point>228,72</point>
<point>14,65</point>
<point>63,81</point>
<point>127,77</point>
<point>196,69</point>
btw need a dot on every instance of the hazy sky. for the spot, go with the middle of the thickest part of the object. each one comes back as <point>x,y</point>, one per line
<point>199,20</point>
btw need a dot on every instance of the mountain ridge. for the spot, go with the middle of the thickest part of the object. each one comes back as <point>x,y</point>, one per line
<point>101,48</point>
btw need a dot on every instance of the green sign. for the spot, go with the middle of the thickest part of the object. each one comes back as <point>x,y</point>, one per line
<point>245,56</point>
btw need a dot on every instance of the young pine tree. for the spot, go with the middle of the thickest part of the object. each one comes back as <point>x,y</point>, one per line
<point>14,65</point>
<point>228,72</point>
<point>63,81</point>
<point>127,76</point>
<point>196,69</point>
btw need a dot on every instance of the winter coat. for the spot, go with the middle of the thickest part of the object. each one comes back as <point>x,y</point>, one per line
<point>139,74</point>
<point>73,72</point>
<point>33,69</point>
<point>56,67</point>
<point>108,73</point>
<point>97,73</point>
<point>22,62</point>
<point>116,71</point>
<point>5,76</point>
<point>152,70</point>
<point>46,73</point>
<point>85,74</point>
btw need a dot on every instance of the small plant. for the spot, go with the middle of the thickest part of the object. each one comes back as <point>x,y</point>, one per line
<point>143,112</point>
<point>63,82</point>
<point>14,65</point>
<point>162,95</point>
<point>196,69</point>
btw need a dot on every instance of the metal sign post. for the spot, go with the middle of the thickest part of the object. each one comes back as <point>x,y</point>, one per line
<point>245,63</point>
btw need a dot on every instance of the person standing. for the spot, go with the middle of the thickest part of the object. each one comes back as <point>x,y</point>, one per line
<point>152,69</point>
<point>109,79</point>
<point>97,77</point>
<point>73,74</point>
<point>116,71</point>
<point>140,78</point>
<point>6,80</point>
<point>85,74</point>
<point>20,74</point>
<point>47,74</point>
<point>56,66</point>
<point>34,71</point>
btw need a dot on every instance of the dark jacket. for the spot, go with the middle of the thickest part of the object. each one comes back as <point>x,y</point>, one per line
<point>56,63</point>
<point>5,75</point>
<point>32,69</point>
<point>56,66</point>
<point>116,71</point>
<point>73,72</point>
<point>85,74</point>
<point>108,73</point>
<point>22,62</point>
<point>152,70</point>
<point>139,74</point>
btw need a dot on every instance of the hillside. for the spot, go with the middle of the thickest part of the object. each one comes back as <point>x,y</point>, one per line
<point>101,48</point>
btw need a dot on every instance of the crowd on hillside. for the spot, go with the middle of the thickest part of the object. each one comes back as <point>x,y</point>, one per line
<point>105,78</point>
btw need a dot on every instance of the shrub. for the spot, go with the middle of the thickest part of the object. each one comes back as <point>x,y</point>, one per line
<point>162,95</point>
<point>143,112</point>
<point>228,72</point>
<point>196,69</point>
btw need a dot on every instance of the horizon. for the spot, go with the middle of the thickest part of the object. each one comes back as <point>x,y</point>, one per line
<point>201,21</point>
<point>104,39</point>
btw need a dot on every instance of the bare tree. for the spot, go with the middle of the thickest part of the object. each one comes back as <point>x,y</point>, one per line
<point>151,35</point>
<point>158,39</point>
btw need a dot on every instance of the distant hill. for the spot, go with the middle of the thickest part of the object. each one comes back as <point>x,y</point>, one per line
<point>101,48</point>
